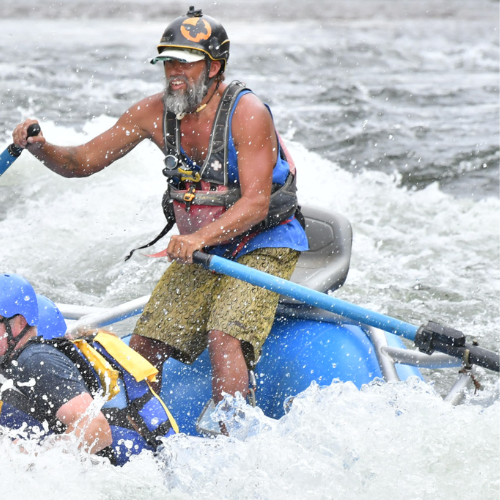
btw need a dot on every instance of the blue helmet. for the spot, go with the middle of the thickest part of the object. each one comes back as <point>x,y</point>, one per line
<point>51,323</point>
<point>18,297</point>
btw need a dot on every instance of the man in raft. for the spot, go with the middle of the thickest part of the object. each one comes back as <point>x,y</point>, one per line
<point>49,384</point>
<point>231,191</point>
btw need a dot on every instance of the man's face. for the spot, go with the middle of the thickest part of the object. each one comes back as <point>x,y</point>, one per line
<point>17,324</point>
<point>3,336</point>
<point>185,85</point>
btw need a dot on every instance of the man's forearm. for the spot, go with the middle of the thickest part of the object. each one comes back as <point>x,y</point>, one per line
<point>92,430</point>
<point>94,434</point>
<point>242,216</point>
<point>65,161</point>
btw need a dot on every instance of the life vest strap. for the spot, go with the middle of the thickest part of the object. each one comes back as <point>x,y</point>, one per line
<point>130,418</point>
<point>167,411</point>
<point>131,361</point>
<point>107,375</point>
<point>164,231</point>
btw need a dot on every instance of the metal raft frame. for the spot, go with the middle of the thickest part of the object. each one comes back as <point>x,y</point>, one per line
<point>388,357</point>
<point>323,268</point>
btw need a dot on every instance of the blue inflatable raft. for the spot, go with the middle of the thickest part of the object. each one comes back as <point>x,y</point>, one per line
<point>305,344</point>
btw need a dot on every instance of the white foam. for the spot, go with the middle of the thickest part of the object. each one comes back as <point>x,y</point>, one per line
<point>416,255</point>
<point>385,441</point>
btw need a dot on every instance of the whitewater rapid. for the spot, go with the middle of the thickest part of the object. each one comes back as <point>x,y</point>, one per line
<point>408,95</point>
<point>383,441</point>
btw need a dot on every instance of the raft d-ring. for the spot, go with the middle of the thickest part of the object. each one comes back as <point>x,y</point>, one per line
<point>252,400</point>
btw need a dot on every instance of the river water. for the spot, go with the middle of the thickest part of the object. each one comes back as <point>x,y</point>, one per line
<point>390,109</point>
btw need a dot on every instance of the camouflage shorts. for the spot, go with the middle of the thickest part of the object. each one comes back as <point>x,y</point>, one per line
<point>189,301</point>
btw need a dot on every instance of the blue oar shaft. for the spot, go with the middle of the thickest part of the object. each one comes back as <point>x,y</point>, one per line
<point>6,160</point>
<point>310,297</point>
<point>12,153</point>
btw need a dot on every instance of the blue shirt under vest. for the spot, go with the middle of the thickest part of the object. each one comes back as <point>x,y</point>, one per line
<point>289,235</point>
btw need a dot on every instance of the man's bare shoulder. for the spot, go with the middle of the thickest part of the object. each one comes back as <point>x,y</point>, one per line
<point>145,113</point>
<point>250,107</point>
<point>251,117</point>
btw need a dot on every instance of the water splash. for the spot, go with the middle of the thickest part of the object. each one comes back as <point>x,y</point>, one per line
<point>383,441</point>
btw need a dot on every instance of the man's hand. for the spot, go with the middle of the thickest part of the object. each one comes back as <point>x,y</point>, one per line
<point>182,247</point>
<point>20,135</point>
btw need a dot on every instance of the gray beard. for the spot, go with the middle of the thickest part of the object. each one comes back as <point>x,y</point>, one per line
<point>185,101</point>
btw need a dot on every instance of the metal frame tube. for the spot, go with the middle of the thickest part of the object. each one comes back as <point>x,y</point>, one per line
<point>464,381</point>
<point>70,311</point>
<point>112,315</point>
<point>387,366</point>
<point>420,359</point>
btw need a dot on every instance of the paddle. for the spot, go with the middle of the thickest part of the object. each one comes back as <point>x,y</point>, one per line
<point>12,152</point>
<point>429,338</point>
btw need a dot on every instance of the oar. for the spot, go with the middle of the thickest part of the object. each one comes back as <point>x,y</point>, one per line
<point>12,152</point>
<point>429,338</point>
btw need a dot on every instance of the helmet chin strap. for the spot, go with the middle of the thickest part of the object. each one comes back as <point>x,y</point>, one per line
<point>208,83</point>
<point>12,341</point>
<point>208,80</point>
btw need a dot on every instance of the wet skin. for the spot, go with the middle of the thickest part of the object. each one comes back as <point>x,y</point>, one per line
<point>257,147</point>
<point>253,133</point>
<point>93,433</point>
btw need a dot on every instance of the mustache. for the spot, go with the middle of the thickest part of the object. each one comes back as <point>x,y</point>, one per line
<point>179,77</point>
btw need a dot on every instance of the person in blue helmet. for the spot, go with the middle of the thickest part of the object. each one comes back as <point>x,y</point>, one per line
<point>51,323</point>
<point>54,381</point>
<point>58,394</point>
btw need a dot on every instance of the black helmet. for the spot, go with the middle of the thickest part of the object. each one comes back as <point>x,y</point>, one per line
<point>196,32</point>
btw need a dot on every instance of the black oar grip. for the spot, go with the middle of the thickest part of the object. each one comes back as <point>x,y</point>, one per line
<point>202,258</point>
<point>435,337</point>
<point>33,130</point>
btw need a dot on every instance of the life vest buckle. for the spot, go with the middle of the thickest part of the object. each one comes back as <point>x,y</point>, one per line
<point>189,175</point>
<point>189,197</point>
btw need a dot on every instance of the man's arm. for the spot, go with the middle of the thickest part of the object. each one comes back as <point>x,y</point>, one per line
<point>94,433</point>
<point>257,147</point>
<point>59,387</point>
<point>135,125</point>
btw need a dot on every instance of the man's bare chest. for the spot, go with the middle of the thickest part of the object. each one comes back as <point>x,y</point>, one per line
<point>195,140</point>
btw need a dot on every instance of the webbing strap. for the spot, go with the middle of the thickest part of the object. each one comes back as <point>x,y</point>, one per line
<point>11,340</point>
<point>219,135</point>
<point>123,417</point>
<point>167,411</point>
<point>164,231</point>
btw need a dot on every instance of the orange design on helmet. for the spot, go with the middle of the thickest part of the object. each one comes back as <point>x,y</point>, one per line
<point>195,29</point>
